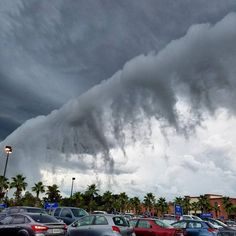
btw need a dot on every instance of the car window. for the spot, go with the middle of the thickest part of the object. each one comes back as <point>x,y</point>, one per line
<point>13,210</point>
<point>7,220</point>
<point>87,220</point>
<point>180,224</point>
<point>100,220</point>
<point>77,212</point>
<point>35,210</point>
<point>163,224</point>
<point>143,224</point>
<point>120,221</point>
<point>18,219</point>
<point>194,225</point>
<point>43,218</point>
<point>57,212</point>
<point>2,216</point>
<point>133,222</point>
<point>66,213</point>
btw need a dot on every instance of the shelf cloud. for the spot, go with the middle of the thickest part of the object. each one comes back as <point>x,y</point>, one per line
<point>174,89</point>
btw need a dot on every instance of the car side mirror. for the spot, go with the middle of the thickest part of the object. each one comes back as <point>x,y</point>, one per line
<point>75,224</point>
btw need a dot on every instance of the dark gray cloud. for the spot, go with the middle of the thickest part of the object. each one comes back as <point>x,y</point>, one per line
<point>52,51</point>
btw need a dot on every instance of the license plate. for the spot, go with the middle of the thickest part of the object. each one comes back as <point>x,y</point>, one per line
<point>56,231</point>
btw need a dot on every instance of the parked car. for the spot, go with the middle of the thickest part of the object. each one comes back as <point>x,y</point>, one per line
<point>69,214</point>
<point>153,227</point>
<point>100,225</point>
<point>169,218</point>
<point>31,224</point>
<point>18,209</point>
<point>230,223</point>
<point>218,224</point>
<point>99,212</point>
<point>196,227</point>
<point>189,217</point>
<point>2,215</point>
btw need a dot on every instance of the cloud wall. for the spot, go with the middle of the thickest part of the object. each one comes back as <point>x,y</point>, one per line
<point>190,78</point>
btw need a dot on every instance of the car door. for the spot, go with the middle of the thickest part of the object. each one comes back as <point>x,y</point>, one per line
<point>16,224</point>
<point>99,226</point>
<point>143,228</point>
<point>194,228</point>
<point>6,227</point>
<point>66,216</point>
<point>82,227</point>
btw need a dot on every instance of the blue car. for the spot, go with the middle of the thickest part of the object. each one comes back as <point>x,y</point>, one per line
<point>196,227</point>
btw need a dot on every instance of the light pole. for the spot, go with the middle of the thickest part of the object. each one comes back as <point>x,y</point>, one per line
<point>71,192</point>
<point>8,150</point>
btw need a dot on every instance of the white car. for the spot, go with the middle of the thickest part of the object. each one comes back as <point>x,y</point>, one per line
<point>190,217</point>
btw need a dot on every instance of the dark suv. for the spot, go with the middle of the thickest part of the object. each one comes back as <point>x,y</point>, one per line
<point>69,214</point>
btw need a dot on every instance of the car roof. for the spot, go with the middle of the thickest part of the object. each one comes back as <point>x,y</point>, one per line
<point>189,220</point>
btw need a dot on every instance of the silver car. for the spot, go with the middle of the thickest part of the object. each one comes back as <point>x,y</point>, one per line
<point>100,225</point>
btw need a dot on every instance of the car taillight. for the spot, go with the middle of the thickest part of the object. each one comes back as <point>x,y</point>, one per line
<point>39,228</point>
<point>211,230</point>
<point>179,233</point>
<point>65,227</point>
<point>116,229</point>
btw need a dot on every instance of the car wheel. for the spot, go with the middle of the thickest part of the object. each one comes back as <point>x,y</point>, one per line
<point>23,233</point>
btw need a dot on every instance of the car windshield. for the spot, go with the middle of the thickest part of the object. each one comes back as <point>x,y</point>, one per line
<point>79,212</point>
<point>220,223</point>
<point>41,218</point>
<point>163,224</point>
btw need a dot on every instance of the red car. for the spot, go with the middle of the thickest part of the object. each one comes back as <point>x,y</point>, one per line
<point>153,227</point>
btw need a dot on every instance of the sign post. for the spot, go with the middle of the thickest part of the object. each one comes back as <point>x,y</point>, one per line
<point>178,211</point>
<point>50,206</point>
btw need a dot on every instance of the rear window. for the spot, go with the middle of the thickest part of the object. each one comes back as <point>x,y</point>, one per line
<point>57,211</point>
<point>100,220</point>
<point>120,221</point>
<point>35,210</point>
<point>79,212</point>
<point>44,218</point>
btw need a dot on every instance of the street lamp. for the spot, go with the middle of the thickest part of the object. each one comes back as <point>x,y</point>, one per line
<point>72,186</point>
<point>8,150</point>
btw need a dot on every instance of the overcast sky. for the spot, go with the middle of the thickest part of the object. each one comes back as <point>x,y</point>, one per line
<point>136,96</point>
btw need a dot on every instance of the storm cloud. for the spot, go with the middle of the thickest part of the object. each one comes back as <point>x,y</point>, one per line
<point>177,87</point>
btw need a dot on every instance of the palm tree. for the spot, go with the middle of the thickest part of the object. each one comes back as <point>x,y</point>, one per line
<point>19,183</point>
<point>162,205</point>
<point>178,201</point>
<point>4,185</point>
<point>90,195</point>
<point>216,208</point>
<point>123,200</point>
<point>204,203</point>
<point>38,188</point>
<point>227,204</point>
<point>195,207</point>
<point>53,193</point>
<point>135,204</point>
<point>186,205</point>
<point>108,199</point>
<point>78,199</point>
<point>149,201</point>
